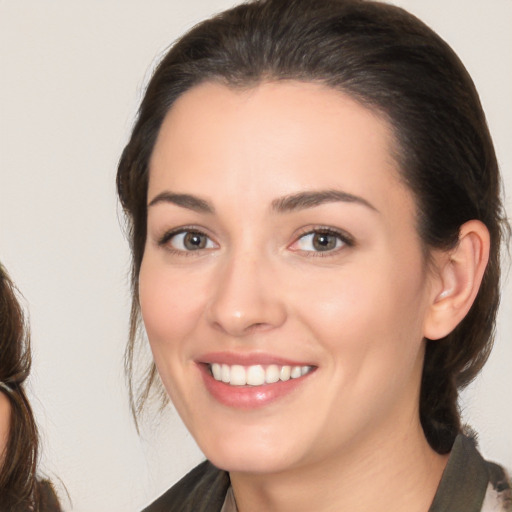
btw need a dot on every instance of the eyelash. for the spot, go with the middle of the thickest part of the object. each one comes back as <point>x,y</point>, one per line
<point>343,237</point>
<point>164,241</point>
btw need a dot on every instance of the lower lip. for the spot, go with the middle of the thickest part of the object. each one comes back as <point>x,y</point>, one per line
<point>249,397</point>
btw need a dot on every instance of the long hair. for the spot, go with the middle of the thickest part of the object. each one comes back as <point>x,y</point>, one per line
<point>19,488</point>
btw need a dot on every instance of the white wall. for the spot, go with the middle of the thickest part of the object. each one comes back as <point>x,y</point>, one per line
<point>71,75</point>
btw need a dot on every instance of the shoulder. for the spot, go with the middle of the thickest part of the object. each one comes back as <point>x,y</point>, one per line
<point>470,483</point>
<point>498,496</point>
<point>498,493</point>
<point>202,490</point>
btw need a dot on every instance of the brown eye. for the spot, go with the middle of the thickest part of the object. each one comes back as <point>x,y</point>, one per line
<point>324,241</point>
<point>194,241</point>
<point>190,241</point>
<point>321,241</point>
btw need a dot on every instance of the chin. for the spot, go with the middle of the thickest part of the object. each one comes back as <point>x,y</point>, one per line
<point>250,454</point>
<point>252,462</point>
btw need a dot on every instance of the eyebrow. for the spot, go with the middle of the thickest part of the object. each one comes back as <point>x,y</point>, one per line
<point>185,201</point>
<point>304,200</point>
<point>294,202</point>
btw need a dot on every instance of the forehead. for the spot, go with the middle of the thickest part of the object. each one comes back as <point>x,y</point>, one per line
<point>275,138</point>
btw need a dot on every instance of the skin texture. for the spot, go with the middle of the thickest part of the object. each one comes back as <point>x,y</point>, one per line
<point>5,416</point>
<point>358,313</point>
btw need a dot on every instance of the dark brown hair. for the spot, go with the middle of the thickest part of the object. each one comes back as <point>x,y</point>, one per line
<point>17,475</point>
<point>19,488</point>
<point>392,63</point>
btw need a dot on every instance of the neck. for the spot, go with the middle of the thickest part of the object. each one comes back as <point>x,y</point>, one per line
<point>395,471</point>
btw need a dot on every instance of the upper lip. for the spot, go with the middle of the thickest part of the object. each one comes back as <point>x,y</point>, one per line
<point>249,359</point>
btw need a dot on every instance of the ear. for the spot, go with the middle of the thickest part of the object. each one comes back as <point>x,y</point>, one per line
<point>456,284</point>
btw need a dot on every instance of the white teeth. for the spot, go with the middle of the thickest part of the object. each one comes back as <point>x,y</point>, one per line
<point>226,374</point>
<point>217,371</point>
<point>238,375</point>
<point>272,374</point>
<point>296,372</point>
<point>256,375</point>
<point>285,373</point>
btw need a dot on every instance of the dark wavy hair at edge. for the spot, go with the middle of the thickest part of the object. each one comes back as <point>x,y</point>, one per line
<point>17,474</point>
<point>19,488</point>
<point>392,63</point>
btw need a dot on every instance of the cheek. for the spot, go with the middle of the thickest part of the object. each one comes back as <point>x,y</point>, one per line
<point>170,310</point>
<point>169,306</point>
<point>377,311</point>
<point>371,330</point>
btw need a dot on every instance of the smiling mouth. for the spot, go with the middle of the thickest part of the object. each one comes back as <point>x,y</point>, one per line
<point>256,375</point>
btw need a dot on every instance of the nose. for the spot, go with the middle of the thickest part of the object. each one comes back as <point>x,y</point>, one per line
<point>247,297</point>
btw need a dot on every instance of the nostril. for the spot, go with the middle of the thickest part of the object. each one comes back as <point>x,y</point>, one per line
<point>241,328</point>
<point>259,326</point>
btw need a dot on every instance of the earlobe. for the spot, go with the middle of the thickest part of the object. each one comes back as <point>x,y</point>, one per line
<point>460,273</point>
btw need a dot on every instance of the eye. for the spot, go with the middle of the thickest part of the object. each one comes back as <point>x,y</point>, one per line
<point>321,240</point>
<point>187,241</point>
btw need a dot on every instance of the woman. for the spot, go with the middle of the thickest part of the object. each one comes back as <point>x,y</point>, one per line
<point>315,221</point>
<point>19,488</point>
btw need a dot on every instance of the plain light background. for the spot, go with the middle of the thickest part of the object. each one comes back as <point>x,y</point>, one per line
<point>71,77</point>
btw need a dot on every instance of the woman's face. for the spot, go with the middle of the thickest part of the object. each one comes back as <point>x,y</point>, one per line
<point>282,256</point>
